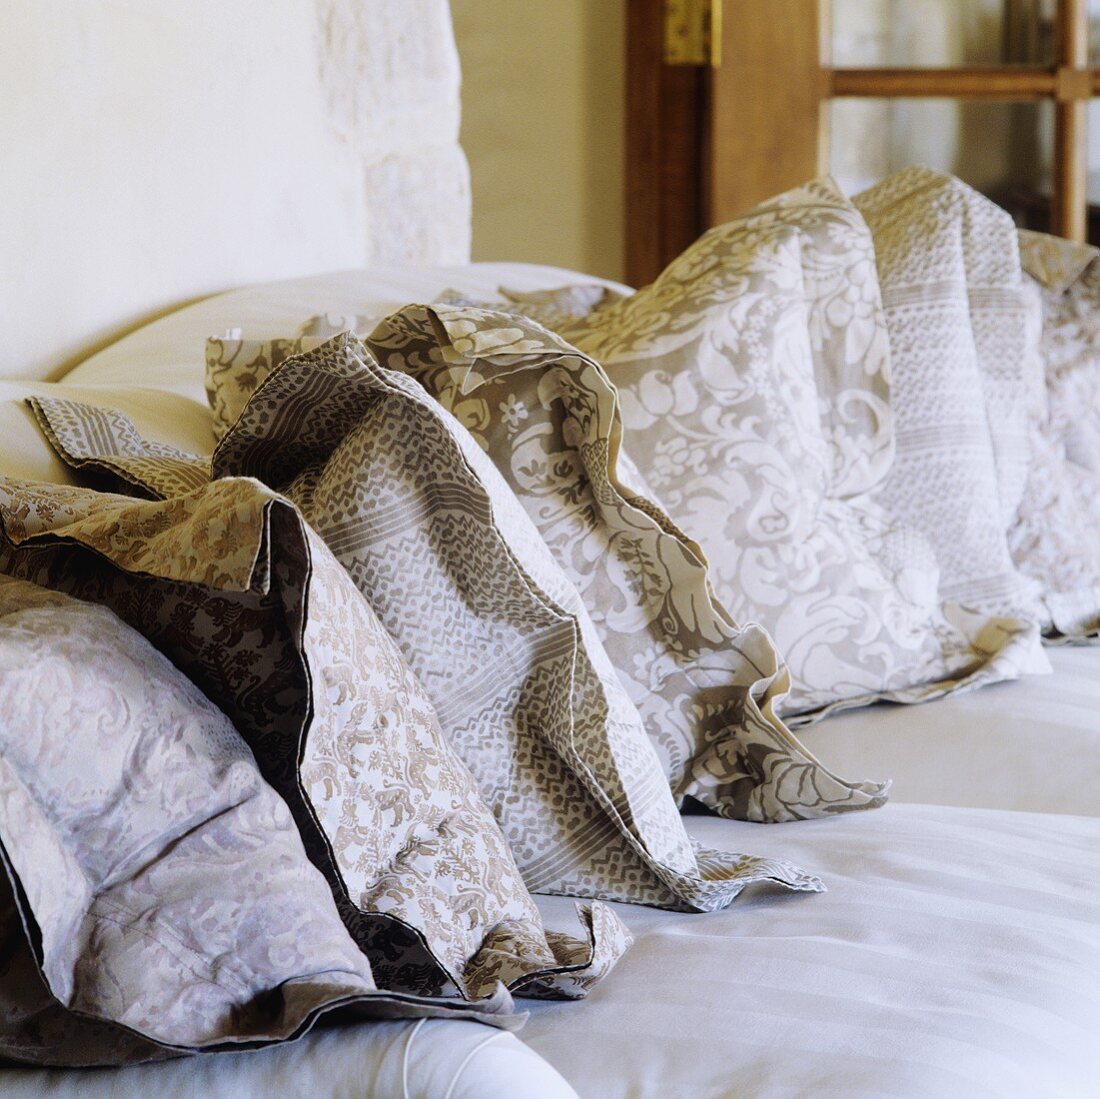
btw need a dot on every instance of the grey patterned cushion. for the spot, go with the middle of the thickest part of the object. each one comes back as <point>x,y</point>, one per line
<point>1053,538</point>
<point>962,384</point>
<point>158,898</point>
<point>455,570</point>
<point>752,382</point>
<point>231,585</point>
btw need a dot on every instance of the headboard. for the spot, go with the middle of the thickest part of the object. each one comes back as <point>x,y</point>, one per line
<point>156,151</point>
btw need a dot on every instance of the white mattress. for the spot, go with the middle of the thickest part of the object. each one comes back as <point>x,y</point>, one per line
<point>1032,744</point>
<point>957,953</point>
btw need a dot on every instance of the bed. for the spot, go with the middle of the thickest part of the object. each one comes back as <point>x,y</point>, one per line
<point>308,173</point>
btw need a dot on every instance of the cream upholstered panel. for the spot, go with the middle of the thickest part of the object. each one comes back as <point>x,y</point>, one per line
<point>156,151</point>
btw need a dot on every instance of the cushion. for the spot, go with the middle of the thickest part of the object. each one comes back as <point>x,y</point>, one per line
<point>961,391</point>
<point>458,574</point>
<point>165,354</point>
<point>157,896</point>
<point>456,571</point>
<point>723,366</point>
<point>1053,538</point>
<point>410,1059</point>
<point>172,418</point>
<point>706,688</point>
<point>232,586</point>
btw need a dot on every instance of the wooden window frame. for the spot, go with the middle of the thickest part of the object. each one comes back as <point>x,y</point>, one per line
<point>773,66</point>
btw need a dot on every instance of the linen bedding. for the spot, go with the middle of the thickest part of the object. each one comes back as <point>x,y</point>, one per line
<point>887,894</point>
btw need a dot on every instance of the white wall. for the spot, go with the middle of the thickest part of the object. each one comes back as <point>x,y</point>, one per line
<point>542,126</point>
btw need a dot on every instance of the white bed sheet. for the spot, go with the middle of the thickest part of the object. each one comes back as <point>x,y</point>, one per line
<point>957,953</point>
<point>1031,744</point>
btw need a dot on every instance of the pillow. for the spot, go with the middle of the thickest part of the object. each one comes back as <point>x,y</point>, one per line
<point>157,897</point>
<point>454,569</point>
<point>554,308</point>
<point>961,390</point>
<point>232,586</point>
<point>1053,538</point>
<point>722,367</point>
<point>235,368</point>
<point>169,417</point>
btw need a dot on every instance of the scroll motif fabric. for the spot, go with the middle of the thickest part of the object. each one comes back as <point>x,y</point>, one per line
<point>722,366</point>
<point>157,897</point>
<point>232,586</point>
<point>706,688</point>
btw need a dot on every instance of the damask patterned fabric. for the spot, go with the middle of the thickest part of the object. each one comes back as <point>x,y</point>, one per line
<point>962,385</point>
<point>723,367</point>
<point>557,307</point>
<point>501,641</point>
<point>705,687</point>
<point>440,547</point>
<point>1054,538</point>
<point>235,367</point>
<point>234,588</point>
<point>157,897</point>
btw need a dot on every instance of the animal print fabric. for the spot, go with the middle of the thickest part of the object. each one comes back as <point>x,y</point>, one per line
<point>156,898</point>
<point>721,367</point>
<point>233,587</point>
<point>948,263</point>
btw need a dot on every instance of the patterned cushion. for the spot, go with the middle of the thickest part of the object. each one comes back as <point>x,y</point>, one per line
<point>723,368</point>
<point>706,688</point>
<point>157,897</point>
<point>235,368</point>
<point>555,308</point>
<point>455,570</point>
<point>232,586</point>
<point>962,384</point>
<point>1053,538</point>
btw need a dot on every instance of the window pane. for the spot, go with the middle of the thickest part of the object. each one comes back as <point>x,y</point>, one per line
<point>942,33</point>
<point>1000,148</point>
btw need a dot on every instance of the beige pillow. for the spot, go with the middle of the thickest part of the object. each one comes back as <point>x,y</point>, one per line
<point>723,366</point>
<point>232,586</point>
<point>157,897</point>
<point>500,639</point>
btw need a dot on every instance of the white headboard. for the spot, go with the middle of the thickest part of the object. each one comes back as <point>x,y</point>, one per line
<point>155,151</point>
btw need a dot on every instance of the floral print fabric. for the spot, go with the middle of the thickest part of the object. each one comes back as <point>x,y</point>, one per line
<point>753,377</point>
<point>456,571</point>
<point>157,897</point>
<point>232,586</point>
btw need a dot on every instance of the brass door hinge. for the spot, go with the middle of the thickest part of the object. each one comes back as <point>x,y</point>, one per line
<point>693,32</point>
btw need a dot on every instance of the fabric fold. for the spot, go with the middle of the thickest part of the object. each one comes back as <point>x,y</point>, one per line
<point>233,587</point>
